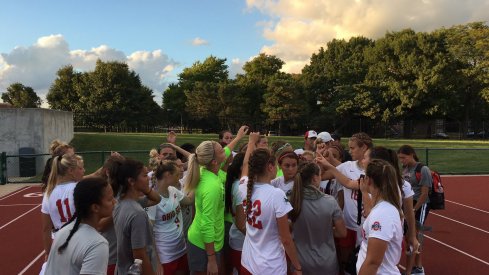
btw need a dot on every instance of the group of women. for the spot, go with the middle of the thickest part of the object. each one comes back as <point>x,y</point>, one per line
<point>284,213</point>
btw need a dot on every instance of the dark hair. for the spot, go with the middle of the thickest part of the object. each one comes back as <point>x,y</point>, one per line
<point>221,134</point>
<point>88,191</point>
<point>389,155</point>
<point>129,169</point>
<point>384,177</point>
<point>287,154</point>
<point>278,147</point>
<point>362,139</point>
<point>340,150</point>
<point>112,166</point>
<point>189,147</point>
<point>408,150</point>
<point>303,180</point>
<point>165,166</point>
<point>233,174</point>
<point>257,164</point>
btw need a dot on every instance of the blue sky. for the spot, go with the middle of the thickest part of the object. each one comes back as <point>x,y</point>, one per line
<point>158,39</point>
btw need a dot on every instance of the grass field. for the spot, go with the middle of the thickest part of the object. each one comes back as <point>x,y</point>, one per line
<point>445,156</point>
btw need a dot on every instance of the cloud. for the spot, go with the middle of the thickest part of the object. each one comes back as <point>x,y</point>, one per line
<point>236,67</point>
<point>299,28</point>
<point>36,65</point>
<point>199,42</point>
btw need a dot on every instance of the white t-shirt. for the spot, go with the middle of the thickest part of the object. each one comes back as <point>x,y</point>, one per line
<point>383,223</point>
<point>352,171</point>
<point>334,187</point>
<point>281,184</point>
<point>407,189</point>
<point>168,232</point>
<point>60,205</point>
<point>263,252</point>
<point>151,210</point>
<point>236,237</point>
<point>86,253</point>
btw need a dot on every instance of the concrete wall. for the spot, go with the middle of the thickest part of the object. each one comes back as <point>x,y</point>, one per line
<point>33,127</point>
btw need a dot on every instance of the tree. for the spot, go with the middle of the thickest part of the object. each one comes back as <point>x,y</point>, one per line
<point>64,93</point>
<point>21,96</point>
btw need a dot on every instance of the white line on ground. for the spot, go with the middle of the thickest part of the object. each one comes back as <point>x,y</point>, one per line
<point>31,263</point>
<point>453,220</point>
<point>471,207</point>
<point>19,217</point>
<point>25,204</point>
<point>456,249</point>
<point>18,191</point>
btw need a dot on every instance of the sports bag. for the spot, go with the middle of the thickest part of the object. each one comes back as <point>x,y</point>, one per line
<point>437,192</point>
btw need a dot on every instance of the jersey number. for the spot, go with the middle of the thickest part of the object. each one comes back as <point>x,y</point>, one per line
<point>177,221</point>
<point>354,195</point>
<point>59,204</point>
<point>256,213</point>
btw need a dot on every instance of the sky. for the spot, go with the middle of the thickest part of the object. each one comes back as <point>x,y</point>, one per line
<point>159,38</point>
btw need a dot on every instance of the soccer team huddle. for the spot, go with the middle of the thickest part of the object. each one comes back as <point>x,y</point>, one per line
<point>222,209</point>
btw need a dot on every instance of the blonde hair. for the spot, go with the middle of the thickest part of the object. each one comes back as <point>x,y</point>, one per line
<point>59,148</point>
<point>153,159</point>
<point>204,154</point>
<point>60,167</point>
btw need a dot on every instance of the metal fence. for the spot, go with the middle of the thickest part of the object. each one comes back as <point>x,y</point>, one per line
<point>29,168</point>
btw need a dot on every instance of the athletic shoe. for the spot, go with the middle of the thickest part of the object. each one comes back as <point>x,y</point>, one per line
<point>417,271</point>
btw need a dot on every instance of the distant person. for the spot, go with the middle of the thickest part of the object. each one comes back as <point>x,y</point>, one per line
<point>309,139</point>
<point>262,143</point>
<point>409,160</point>
<point>337,141</point>
<point>225,137</point>
<point>380,250</point>
<point>315,240</point>
<point>78,248</point>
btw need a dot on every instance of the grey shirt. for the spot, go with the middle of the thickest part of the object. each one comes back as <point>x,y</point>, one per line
<point>409,174</point>
<point>87,252</point>
<point>133,231</point>
<point>110,236</point>
<point>313,233</point>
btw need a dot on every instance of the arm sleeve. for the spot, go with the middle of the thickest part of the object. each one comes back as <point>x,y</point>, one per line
<point>337,213</point>
<point>210,200</point>
<point>96,259</point>
<point>281,203</point>
<point>381,227</point>
<point>179,193</point>
<point>426,179</point>
<point>45,204</point>
<point>227,151</point>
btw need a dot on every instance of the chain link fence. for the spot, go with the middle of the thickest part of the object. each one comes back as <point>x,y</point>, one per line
<point>28,168</point>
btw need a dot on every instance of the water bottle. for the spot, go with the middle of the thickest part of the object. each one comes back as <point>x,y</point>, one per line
<point>136,268</point>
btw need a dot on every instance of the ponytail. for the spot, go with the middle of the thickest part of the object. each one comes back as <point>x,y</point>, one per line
<point>59,167</point>
<point>303,180</point>
<point>204,154</point>
<point>193,175</point>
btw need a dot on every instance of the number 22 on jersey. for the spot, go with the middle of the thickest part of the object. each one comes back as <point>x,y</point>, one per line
<point>66,205</point>
<point>256,212</point>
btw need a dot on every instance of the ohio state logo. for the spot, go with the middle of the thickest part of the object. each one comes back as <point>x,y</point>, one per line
<point>376,226</point>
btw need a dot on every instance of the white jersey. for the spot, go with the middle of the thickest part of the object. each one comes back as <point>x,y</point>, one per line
<point>383,223</point>
<point>263,252</point>
<point>60,205</point>
<point>168,232</point>
<point>236,237</point>
<point>407,189</point>
<point>281,184</point>
<point>350,211</point>
<point>151,210</point>
<point>333,189</point>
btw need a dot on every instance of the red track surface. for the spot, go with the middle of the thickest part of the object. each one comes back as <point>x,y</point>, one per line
<point>458,244</point>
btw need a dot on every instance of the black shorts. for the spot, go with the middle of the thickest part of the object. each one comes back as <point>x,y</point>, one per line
<point>421,214</point>
<point>197,258</point>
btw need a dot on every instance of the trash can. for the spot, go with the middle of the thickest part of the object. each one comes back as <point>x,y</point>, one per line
<point>27,164</point>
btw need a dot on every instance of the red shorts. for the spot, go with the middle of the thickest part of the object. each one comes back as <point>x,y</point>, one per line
<point>349,241</point>
<point>176,265</point>
<point>236,259</point>
<point>244,271</point>
<point>111,269</point>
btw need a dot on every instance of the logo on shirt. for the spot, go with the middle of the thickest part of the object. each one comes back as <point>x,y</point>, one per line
<point>376,226</point>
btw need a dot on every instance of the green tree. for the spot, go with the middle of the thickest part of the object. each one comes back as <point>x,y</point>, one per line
<point>64,93</point>
<point>21,96</point>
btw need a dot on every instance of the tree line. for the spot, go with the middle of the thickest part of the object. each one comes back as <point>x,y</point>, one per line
<point>405,75</point>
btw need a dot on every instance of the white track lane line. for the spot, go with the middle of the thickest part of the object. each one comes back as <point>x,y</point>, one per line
<point>19,217</point>
<point>22,204</point>
<point>18,191</point>
<point>471,207</point>
<point>453,220</point>
<point>456,249</point>
<point>31,263</point>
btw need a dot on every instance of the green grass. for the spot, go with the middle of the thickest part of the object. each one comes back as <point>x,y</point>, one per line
<point>445,156</point>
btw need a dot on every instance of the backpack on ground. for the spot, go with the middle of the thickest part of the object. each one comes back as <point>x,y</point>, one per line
<point>436,194</point>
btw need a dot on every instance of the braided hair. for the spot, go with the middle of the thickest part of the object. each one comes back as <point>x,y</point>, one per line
<point>87,192</point>
<point>257,163</point>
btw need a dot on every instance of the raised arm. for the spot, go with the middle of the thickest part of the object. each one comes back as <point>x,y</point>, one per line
<point>252,140</point>
<point>241,133</point>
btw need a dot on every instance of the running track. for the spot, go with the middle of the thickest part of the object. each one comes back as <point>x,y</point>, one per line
<point>458,244</point>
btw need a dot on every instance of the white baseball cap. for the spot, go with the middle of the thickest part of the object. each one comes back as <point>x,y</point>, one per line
<point>310,134</point>
<point>325,136</point>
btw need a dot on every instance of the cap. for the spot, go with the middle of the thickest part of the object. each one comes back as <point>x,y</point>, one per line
<point>310,134</point>
<point>325,136</point>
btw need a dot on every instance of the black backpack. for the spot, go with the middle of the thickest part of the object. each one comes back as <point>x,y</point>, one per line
<point>437,192</point>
